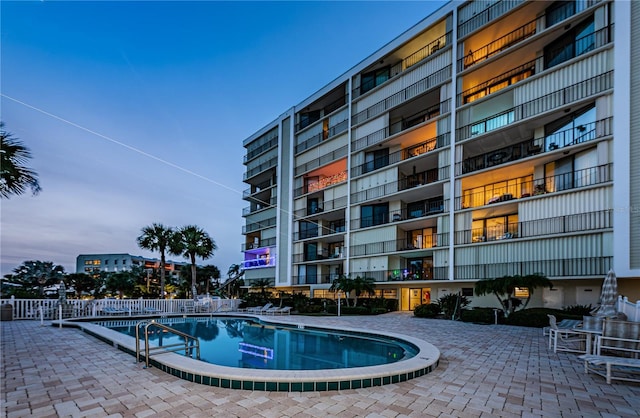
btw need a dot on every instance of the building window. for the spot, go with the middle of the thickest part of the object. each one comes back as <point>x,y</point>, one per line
<point>371,215</point>
<point>574,129</point>
<point>307,118</point>
<point>572,44</point>
<point>521,292</point>
<point>376,159</point>
<point>337,226</point>
<point>106,262</point>
<point>374,78</point>
<point>115,262</point>
<point>467,291</point>
<point>308,229</point>
<point>496,228</point>
<point>559,11</point>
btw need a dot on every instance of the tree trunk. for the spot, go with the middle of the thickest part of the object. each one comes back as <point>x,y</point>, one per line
<point>162,263</point>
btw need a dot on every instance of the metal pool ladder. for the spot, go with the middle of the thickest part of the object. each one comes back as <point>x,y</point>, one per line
<point>190,346</point>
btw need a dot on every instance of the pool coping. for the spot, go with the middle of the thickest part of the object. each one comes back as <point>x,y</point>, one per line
<point>426,360</point>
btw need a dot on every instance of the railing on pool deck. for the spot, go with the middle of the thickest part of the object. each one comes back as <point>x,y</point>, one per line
<point>49,309</point>
<point>630,309</point>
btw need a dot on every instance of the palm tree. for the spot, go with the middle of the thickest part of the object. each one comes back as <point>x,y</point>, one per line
<point>122,282</point>
<point>157,237</point>
<point>16,177</point>
<point>362,285</point>
<point>504,289</point>
<point>195,242</point>
<point>37,274</point>
<point>344,284</point>
<point>263,285</point>
<point>81,282</point>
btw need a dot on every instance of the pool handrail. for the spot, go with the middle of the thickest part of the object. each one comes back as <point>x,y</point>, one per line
<point>173,347</point>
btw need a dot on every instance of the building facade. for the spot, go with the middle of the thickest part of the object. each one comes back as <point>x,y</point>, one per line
<point>96,263</point>
<point>493,138</point>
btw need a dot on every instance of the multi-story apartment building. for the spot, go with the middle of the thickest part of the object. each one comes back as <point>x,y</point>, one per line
<point>95,263</point>
<point>493,138</point>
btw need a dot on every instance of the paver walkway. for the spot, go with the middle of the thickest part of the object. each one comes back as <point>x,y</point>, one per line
<point>485,371</point>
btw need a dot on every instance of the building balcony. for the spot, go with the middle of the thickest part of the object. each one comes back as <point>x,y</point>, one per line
<point>496,46</point>
<point>522,187</point>
<point>335,228</point>
<point>581,222</point>
<point>260,243</point>
<point>260,168</point>
<point>580,135</point>
<point>405,274</point>
<point>474,15</point>
<point>321,108</point>
<point>400,245</point>
<point>411,181</point>
<point>409,93</point>
<point>563,267</point>
<point>552,101</point>
<point>323,160</point>
<point>259,263</point>
<point>322,209</point>
<point>326,134</point>
<point>257,151</point>
<point>256,226</point>
<point>498,82</point>
<point>314,279</point>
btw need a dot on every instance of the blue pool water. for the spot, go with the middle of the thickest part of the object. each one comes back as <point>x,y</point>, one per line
<point>250,343</point>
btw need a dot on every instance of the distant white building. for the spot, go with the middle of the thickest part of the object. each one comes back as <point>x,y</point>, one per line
<point>95,263</point>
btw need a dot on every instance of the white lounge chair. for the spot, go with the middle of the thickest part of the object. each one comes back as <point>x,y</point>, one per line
<point>279,311</point>
<point>260,309</point>
<point>565,339</point>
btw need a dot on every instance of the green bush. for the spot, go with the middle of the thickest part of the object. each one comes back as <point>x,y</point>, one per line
<point>451,302</point>
<point>480,315</point>
<point>378,311</point>
<point>537,317</point>
<point>578,309</point>
<point>427,310</point>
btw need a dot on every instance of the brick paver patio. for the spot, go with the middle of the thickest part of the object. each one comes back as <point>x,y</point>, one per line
<point>485,371</point>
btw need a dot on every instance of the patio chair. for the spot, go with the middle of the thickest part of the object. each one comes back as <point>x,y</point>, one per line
<point>110,310</point>
<point>565,339</point>
<point>260,309</point>
<point>279,311</point>
<point>151,310</point>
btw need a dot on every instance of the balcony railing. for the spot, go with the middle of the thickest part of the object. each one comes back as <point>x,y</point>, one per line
<point>580,46</point>
<point>413,59</point>
<point>405,274</point>
<point>589,221</point>
<point>304,257</point>
<point>384,133</point>
<point>334,130</point>
<point>319,232</point>
<point>323,207</point>
<point>255,226</point>
<point>515,188</point>
<point>431,208</point>
<point>557,99</point>
<point>334,180</point>
<point>323,160</point>
<point>314,279</point>
<point>403,154</point>
<point>261,149</point>
<point>581,134</point>
<point>260,168</point>
<point>481,18</point>
<point>497,83</point>
<point>258,263</point>
<point>398,245</point>
<point>409,182</point>
<point>330,108</point>
<point>403,95</point>
<point>498,45</point>
<point>263,243</point>
<point>563,267</point>
<point>260,206</point>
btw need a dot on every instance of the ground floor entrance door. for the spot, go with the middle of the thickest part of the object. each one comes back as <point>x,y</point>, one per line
<point>553,298</point>
<point>412,297</point>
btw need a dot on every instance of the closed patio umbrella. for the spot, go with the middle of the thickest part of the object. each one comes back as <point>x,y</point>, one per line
<point>608,297</point>
<point>62,293</point>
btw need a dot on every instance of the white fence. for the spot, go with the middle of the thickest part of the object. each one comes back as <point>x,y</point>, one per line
<point>49,309</point>
<point>630,309</point>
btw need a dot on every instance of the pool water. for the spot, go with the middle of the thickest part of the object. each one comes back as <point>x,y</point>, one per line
<point>250,343</point>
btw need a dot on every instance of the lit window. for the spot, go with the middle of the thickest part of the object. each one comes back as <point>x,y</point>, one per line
<point>521,292</point>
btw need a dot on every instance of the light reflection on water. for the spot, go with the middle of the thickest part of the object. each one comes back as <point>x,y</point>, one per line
<point>248,343</point>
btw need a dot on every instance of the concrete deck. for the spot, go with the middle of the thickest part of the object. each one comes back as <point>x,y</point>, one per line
<point>485,371</point>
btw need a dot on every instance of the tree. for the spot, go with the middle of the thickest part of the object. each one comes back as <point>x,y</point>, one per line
<point>82,282</point>
<point>16,176</point>
<point>343,284</point>
<point>195,242</point>
<point>157,237</point>
<point>263,285</point>
<point>504,289</point>
<point>362,285</point>
<point>121,282</point>
<point>37,274</point>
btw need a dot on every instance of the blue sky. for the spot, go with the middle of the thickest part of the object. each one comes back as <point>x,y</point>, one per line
<point>135,112</point>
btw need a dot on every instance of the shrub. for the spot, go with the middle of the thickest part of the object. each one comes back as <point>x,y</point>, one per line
<point>451,302</point>
<point>378,311</point>
<point>578,309</point>
<point>537,317</point>
<point>348,310</point>
<point>480,315</point>
<point>427,310</point>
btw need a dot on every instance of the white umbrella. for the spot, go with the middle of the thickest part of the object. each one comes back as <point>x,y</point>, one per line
<point>608,297</point>
<point>62,293</point>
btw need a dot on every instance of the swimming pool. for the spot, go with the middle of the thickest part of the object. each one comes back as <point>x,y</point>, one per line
<point>425,360</point>
<point>254,344</point>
